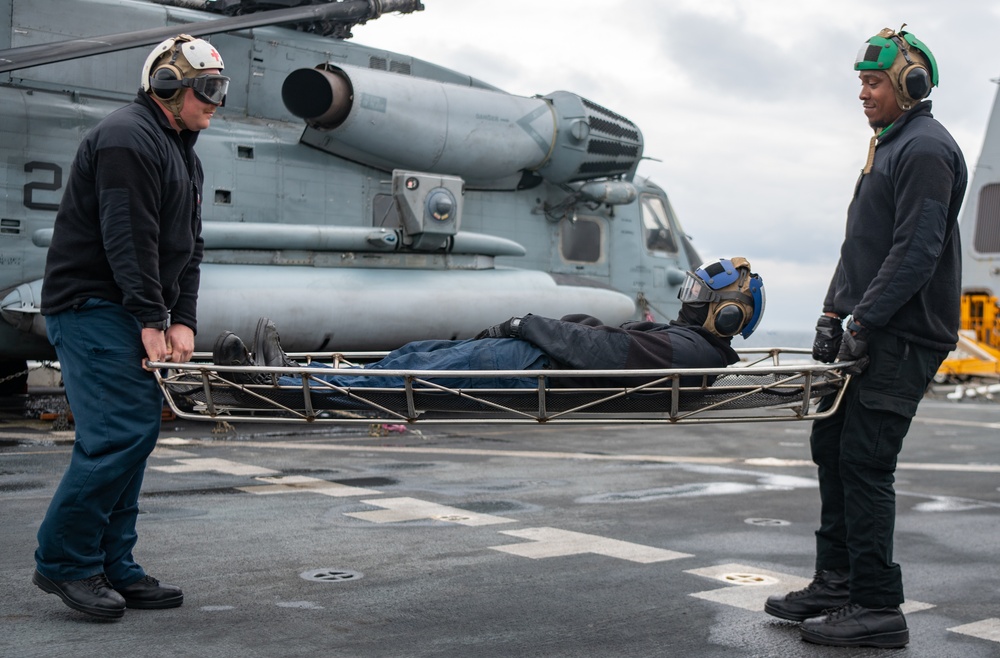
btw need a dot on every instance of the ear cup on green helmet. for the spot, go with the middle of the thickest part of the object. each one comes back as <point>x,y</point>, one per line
<point>909,63</point>
<point>916,81</point>
<point>913,78</point>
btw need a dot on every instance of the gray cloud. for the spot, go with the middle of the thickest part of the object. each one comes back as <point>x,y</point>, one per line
<point>724,56</point>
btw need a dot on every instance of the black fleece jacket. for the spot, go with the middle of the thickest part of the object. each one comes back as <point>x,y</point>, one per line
<point>128,229</point>
<point>581,342</point>
<point>900,265</point>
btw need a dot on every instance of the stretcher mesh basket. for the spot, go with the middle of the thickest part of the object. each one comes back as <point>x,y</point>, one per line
<point>766,385</point>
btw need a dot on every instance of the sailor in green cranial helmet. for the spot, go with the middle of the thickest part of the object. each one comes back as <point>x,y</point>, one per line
<point>890,316</point>
<point>910,64</point>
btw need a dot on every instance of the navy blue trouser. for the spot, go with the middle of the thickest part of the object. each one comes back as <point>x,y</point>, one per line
<point>485,354</point>
<point>116,405</point>
<point>856,451</point>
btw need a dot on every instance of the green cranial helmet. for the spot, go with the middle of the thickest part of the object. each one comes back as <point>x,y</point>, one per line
<point>909,63</point>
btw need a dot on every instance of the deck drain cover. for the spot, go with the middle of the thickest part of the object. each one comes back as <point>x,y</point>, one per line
<point>331,575</point>
<point>767,522</point>
<point>745,578</point>
<point>451,517</point>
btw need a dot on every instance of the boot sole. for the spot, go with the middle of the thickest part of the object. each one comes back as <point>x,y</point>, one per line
<point>154,605</point>
<point>50,587</point>
<point>781,614</point>
<point>893,640</point>
<point>258,336</point>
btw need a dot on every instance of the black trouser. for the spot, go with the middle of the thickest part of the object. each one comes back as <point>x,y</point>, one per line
<point>856,450</point>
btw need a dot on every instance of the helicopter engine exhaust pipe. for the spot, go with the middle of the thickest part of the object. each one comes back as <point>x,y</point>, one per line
<point>489,138</point>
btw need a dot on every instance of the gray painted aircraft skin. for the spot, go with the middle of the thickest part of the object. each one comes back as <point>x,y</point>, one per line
<point>980,220</point>
<point>322,214</point>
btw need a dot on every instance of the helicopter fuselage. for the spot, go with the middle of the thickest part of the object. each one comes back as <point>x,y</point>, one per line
<point>418,202</point>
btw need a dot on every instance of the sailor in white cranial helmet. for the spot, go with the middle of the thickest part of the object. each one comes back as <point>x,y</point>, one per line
<point>121,290</point>
<point>183,62</point>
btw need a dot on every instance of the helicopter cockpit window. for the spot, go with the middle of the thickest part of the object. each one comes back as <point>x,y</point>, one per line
<point>580,240</point>
<point>656,229</point>
<point>986,239</point>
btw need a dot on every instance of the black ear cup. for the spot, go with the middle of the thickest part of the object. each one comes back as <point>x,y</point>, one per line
<point>166,81</point>
<point>729,319</point>
<point>915,80</point>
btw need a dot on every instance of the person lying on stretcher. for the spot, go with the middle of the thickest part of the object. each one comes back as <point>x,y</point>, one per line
<point>719,300</point>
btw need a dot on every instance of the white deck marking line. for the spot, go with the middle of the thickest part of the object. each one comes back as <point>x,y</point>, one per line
<point>48,437</point>
<point>552,542</point>
<point>911,466</point>
<point>748,587</point>
<point>954,468</point>
<point>303,483</point>
<point>413,509</point>
<point>583,456</point>
<point>775,461</point>
<point>481,452</point>
<point>303,605</point>
<point>170,453</point>
<point>216,465</point>
<point>173,441</point>
<point>962,423</point>
<point>987,629</point>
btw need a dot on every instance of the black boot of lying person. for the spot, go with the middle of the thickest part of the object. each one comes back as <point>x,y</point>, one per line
<point>267,346</point>
<point>230,350</point>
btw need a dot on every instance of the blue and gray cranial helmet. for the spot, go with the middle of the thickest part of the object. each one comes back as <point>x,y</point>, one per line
<point>734,294</point>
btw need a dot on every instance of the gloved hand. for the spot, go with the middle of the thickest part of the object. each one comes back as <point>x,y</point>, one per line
<point>506,329</point>
<point>829,333</point>
<point>854,348</point>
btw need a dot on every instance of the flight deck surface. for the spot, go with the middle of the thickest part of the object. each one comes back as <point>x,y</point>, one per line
<point>501,540</point>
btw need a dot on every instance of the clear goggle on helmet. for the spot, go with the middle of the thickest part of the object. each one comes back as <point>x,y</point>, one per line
<point>208,88</point>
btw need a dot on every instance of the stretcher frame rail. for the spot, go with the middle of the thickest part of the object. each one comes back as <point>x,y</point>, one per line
<point>771,384</point>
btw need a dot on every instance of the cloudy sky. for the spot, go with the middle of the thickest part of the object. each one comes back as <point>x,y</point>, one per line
<point>749,108</point>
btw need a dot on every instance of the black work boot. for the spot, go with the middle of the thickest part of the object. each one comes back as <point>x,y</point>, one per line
<point>92,595</point>
<point>229,350</point>
<point>828,589</point>
<point>267,346</point>
<point>148,593</point>
<point>853,625</point>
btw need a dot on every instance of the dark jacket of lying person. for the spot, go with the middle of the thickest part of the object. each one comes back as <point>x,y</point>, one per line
<point>720,299</point>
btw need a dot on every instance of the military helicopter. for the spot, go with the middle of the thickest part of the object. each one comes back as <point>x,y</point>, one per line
<point>978,355</point>
<point>363,197</point>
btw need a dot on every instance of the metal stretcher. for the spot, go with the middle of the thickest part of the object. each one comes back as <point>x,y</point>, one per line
<point>766,385</point>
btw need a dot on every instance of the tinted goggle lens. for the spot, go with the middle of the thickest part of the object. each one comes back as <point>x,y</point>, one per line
<point>209,88</point>
<point>693,290</point>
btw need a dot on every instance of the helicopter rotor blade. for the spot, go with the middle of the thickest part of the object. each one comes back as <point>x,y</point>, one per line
<point>13,59</point>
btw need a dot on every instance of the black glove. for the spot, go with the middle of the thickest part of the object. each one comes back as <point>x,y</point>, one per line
<point>829,333</point>
<point>507,329</point>
<point>854,348</point>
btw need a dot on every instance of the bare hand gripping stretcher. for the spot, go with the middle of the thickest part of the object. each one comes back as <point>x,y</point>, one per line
<point>766,385</point>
